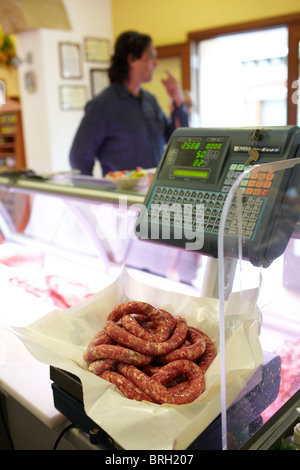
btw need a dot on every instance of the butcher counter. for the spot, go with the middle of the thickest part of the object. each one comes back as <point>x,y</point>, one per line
<point>57,226</point>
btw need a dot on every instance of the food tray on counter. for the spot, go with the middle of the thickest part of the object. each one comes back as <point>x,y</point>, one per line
<point>61,337</point>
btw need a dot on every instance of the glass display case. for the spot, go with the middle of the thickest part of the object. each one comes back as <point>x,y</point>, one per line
<point>85,221</point>
<point>66,238</point>
<point>266,414</point>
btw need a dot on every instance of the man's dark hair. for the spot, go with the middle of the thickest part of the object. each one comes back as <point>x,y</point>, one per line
<point>130,42</point>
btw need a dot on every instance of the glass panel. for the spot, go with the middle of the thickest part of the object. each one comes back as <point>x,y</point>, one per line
<point>15,208</point>
<point>260,230</point>
<point>242,79</point>
<point>96,234</point>
<point>101,233</point>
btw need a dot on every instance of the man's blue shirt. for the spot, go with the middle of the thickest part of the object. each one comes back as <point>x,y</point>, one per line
<point>122,131</point>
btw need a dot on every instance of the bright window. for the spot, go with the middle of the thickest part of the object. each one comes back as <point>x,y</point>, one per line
<point>242,79</point>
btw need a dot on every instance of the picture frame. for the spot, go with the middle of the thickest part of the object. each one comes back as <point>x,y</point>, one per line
<point>70,60</point>
<point>72,97</point>
<point>99,80</point>
<point>96,49</point>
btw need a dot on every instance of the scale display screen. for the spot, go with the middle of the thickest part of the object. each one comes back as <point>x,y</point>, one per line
<point>195,158</point>
<point>192,153</point>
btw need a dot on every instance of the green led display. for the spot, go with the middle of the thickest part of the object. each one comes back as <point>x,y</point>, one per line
<point>191,173</point>
<point>213,145</point>
<point>190,145</point>
<point>199,158</point>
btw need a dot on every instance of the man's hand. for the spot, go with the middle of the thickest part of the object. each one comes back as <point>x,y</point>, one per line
<point>173,89</point>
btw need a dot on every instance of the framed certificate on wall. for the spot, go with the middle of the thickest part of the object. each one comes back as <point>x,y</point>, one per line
<point>99,80</point>
<point>70,60</point>
<point>96,49</point>
<point>72,97</point>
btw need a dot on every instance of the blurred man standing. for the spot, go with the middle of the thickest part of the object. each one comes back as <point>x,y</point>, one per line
<point>124,127</point>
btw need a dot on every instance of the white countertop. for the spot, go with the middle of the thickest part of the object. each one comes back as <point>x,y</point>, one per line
<point>21,375</point>
<point>27,380</point>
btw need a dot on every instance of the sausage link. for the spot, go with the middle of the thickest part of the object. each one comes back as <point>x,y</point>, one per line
<point>100,338</point>
<point>187,391</point>
<point>108,351</point>
<point>100,365</point>
<point>192,352</point>
<point>155,385</point>
<point>125,386</point>
<point>209,354</point>
<point>150,325</point>
<point>157,334</point>
<point>155,390</point>
<point>148,347</point>
<point>150,369</point>
<point>142,320</point>
<point>171,320</point>
<point>132,326</point>
<point>142,308</point>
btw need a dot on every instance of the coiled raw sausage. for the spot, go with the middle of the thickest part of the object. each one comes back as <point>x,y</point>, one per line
<point>146,309</point>
<point>192,351</point>
<point>210,351</point>
<point>125,386</point>
<point>100,338</point>
<point>148,347</point>
<point>151,355</point>
<point>155,385</point>
<point>100,365</point>
<point>108,351</point>
<point>145,330</point>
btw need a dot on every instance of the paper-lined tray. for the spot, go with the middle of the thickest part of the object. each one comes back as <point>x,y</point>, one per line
<point>60,339</point>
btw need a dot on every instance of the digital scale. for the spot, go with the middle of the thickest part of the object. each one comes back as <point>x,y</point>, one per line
<point>197,170</point>
<point>245,411</point>
<point>189,189</point>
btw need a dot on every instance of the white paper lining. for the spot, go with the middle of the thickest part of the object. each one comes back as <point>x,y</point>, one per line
<point>60,338</point>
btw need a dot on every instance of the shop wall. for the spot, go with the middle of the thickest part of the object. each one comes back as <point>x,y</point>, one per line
<point>10,77</point>
<point>48,129</point>
<point>169,21</point>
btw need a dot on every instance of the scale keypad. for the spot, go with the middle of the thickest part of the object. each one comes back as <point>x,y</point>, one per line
<point>255,188</point>
<point>255,184</point>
